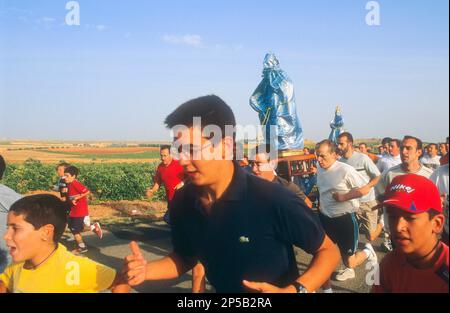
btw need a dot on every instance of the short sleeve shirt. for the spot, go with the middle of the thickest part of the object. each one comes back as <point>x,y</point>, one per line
<point>388,175</point>
<point>364,166</point>
<point>81,208</point>
<point>63,272</point>
<point>339,178</point>
<point>170,176</point>
<point>398,276</point>
<point>248,234</point>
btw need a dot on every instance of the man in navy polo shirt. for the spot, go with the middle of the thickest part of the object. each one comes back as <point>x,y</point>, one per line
<point>240,227</point>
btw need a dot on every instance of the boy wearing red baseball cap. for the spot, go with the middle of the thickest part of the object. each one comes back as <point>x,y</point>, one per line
<point>419,264</point>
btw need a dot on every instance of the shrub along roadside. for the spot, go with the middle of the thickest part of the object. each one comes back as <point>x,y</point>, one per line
<point>107,182</point>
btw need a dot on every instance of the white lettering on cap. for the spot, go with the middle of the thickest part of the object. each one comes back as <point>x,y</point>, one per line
<point>401,187</point>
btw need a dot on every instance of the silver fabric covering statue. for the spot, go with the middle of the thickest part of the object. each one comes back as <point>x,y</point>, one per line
<point>274,100</point>
<point>337,125</point>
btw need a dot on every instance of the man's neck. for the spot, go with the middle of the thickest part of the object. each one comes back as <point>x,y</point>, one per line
<point>395,155</point>
<point>348,154</point>
<point>428,258</point>
<point>43,256</point>
<point>332,164</point>
<point>411,167</point>
<point>167,165</point>
<point>216,190</point>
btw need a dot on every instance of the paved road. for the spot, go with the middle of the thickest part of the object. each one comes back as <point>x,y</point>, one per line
<point>154,240</point>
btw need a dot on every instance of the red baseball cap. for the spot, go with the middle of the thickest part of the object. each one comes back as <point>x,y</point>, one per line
<point>414,194</point>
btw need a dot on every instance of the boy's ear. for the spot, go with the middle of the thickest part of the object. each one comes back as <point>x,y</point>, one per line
<point>47,232</point>
<point>438,223</point>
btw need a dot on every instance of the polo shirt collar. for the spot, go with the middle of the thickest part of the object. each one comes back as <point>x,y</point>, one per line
<point>238,186</point>
<point>236,190</point>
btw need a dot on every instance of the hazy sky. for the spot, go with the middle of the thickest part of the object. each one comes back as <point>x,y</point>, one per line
<point>130,63</point>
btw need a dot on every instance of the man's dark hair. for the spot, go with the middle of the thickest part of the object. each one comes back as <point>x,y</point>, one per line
<point>164,147</point>
<point>363,143</point>
<point>386,140</point>
<point>346,135</point>
<point>331,145</point>
<point>2,166</point>
<point>417,140</point>
<point>41,210</point>
<point>63,164</point>
<point>72,170</point>
<point>397,141</point>
<point>211,109</point>
<point>434,145</point>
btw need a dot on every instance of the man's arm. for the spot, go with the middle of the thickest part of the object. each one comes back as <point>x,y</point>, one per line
<point>358,192</point>
<point>137,269</point>
<point>198,279</point>
<point>157,183</point>
<point>120,284</point>
<point>324,262</point>
<point>152,190</point>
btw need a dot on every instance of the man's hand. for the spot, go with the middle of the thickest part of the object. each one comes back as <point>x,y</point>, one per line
<point>265,287</point>
<point>135,268</point>
<point>149,193</point>
<point>339,197</point>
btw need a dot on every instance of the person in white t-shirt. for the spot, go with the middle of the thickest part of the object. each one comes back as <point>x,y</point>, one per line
<point>411,150</point>
<point>432,159</point>
<point>392,158</point>
<point>340,186</point>
<point>440,179</point>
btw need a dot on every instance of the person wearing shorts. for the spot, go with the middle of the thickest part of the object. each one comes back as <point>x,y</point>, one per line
<point>340,186</point>
<point>367,214</point>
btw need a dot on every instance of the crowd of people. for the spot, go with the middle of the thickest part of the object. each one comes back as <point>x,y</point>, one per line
<point>235,224</point>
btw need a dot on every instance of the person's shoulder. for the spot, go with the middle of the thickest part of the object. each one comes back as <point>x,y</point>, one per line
<point>395,169</point>
<point>77,183</point>
<point>426,171</point>
<point>13,268</point>
<point>184,196</point>
<point>365,158</point>
<point>348,169</point>
<point>67,258</point>
<point>263,189</point>
<point>288,184</point>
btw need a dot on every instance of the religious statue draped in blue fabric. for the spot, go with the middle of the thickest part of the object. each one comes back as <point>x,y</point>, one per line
<point>337,125</point>
<point>274,100</point>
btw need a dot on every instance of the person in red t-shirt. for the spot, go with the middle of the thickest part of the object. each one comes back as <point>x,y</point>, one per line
<point>171,174</point>
<point>79,214</point>
<point>419,263</point>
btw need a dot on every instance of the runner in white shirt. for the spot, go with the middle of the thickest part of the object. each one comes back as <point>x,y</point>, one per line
<point>368,213</point>
<point>392,159</point>
<point>432,159</point>
<point>410,152</point>
<point>340,186</point>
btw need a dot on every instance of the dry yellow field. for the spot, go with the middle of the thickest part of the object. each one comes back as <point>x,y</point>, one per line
<point>54,152</point>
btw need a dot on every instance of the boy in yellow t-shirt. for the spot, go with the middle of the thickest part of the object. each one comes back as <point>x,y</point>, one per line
<point>35,225</point>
